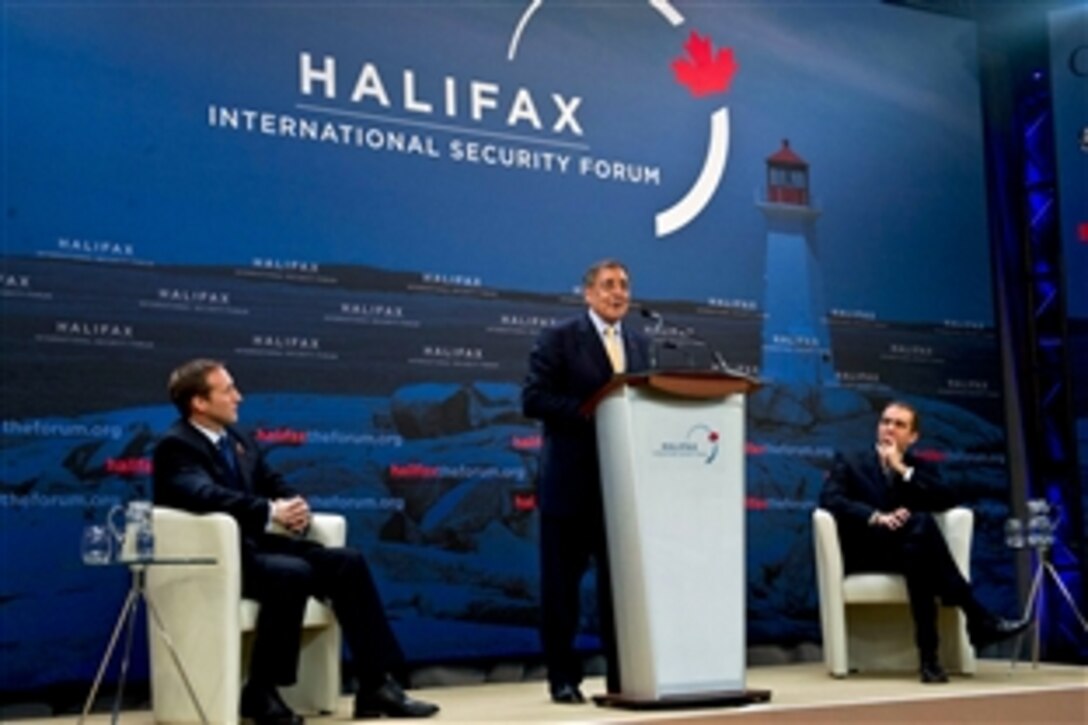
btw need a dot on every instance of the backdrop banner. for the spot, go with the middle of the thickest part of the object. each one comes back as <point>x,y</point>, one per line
<point>369,210</point>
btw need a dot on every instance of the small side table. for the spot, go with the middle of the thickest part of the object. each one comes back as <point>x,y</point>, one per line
<point>137,593</point>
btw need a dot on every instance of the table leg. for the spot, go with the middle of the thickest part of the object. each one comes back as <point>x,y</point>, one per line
<point>126,658</point>
<point>127,610</point>
<point>1031,609</point>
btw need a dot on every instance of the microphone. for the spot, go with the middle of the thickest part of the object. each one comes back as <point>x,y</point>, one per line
<point>688,332</point>
<point>656,345</point>
<point>653,315</point>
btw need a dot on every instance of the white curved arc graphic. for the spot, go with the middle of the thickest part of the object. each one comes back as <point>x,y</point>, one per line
<point>516,37</point>
<point>665,8</point>
<point>662,6</point>
<point>698,196</point>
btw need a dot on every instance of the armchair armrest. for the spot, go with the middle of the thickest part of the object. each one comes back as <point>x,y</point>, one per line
<point>829,581</point>
<point>958,526</point>
<point>183,534</point>
<point>828,551</point>
<point>328,529</point>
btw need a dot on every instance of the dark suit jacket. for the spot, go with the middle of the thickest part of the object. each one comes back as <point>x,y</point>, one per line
<point>191,475</point>
<point>567,365</point>
<point>856,487</point>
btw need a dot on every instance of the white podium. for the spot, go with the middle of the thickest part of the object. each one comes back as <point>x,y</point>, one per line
<point>671,451</point>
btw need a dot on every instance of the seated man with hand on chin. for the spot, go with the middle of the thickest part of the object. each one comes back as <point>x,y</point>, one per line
<point>204,464</point>
<point>882,499</point>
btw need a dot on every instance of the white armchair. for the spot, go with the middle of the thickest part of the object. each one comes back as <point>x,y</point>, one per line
<point>865,618</point>
<point>211,626</point>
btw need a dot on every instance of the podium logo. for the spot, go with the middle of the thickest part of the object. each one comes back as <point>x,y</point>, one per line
<point>701,442</point>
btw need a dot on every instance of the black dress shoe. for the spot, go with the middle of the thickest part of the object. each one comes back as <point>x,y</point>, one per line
<point>389,700</point>
<point>567,694</point>
<point>264,706</point>
<point>995,629</point>
<point>931,673</point>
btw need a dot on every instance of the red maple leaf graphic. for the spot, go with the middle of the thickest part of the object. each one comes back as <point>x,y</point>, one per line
<point>706,72</point>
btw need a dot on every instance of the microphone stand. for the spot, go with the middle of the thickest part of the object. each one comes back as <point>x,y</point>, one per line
<point>719,363</point>
<point>655,345</point>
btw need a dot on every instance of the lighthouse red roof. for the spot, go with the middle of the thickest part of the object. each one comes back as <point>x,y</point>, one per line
<point>786,157</point>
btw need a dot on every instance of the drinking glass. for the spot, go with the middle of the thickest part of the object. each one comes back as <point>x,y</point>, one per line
<point>96,546</point>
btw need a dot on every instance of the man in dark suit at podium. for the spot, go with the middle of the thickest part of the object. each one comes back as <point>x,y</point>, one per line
<point>204,464</point>
<point>568,364</point>
<point>883,501</point>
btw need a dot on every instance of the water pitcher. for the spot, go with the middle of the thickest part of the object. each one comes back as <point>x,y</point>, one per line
<point>136,538</point>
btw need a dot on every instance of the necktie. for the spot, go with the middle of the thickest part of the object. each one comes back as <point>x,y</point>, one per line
<point>226,452</point>
<point>613,346</point>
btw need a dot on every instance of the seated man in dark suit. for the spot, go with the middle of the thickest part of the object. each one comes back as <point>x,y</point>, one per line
<point>882,501</point>
<point>204,464</point>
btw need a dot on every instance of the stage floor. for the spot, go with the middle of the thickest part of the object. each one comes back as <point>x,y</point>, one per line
<point>802,693</point>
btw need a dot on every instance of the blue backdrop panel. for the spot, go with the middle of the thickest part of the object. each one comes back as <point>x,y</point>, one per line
<point>369,210</point>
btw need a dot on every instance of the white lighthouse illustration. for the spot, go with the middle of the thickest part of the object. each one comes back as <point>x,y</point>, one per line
<point>796,340</point>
